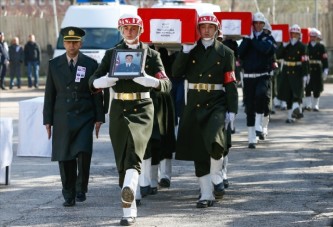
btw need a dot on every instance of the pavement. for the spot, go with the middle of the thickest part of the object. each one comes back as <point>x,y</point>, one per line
<point>286,181</point>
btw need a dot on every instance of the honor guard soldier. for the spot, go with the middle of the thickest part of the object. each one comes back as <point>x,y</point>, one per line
<point>208,66</point>
<point>256,53</point>
<point>318,70</point>
<point>295,73</point>
<point>131,110</point>
<point>72,111</point>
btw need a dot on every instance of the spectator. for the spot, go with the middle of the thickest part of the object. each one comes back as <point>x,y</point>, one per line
<point>16,56</point>
<point>32,57</point>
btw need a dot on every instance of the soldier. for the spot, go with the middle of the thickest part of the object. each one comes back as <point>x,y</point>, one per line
<point>72,110</point>
<point>318,70</point>
<point>295,74</point>
<point>208,65</point>
<point>132,110</point>
<point>256,53</point>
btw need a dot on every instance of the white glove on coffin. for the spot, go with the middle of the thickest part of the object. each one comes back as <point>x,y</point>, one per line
<point>105,82</point>
<point>188,47</point>
<point>147,81</point>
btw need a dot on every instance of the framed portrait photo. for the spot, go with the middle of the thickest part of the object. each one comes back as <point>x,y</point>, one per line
<point>127,63</point>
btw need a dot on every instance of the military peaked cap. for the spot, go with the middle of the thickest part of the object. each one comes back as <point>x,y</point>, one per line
<point>72,33</point>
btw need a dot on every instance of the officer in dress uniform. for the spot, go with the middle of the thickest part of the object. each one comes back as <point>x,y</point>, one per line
<point>256,53</point>
<point>72,111</point>
<point>131,109</point>
<point>295,73</point>
<point>318,70</point>
<point>208,65</point>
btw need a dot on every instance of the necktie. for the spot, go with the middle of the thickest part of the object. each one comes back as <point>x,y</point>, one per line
<point>71,65</point>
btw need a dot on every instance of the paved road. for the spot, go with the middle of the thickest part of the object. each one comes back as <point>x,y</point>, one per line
<point>286,181</point>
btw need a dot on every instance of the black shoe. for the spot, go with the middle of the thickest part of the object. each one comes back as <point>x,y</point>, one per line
<point>219,190</point>
<point>315,110</point>
<point>297,114</point>
<point>205,203</point>
<point>145,190</point>
<point>153,191</point>
<point>81,196</point>
<point>233,131</point>
<point>127,221</point>
<point>261,135</point>
<point>252,146</point>
<point>290,121</point>
<point>226,183</point>
<point>69,203</point>
<point>165,183</point>
<point>307,108</point>
<point>138,202</point>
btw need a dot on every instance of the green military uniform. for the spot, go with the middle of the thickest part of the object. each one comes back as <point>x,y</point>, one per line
<point>131,121</point>
<point>318,62</point>
<point>72,110</point>
<point>201,132</point>
<point>295,67</point>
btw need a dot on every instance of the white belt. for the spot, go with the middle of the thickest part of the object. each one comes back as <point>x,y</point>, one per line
<point>315,62</point>
<point>131,96</point>
<point>292,63</point>
<point>205,87</point>
<point>254,75</point>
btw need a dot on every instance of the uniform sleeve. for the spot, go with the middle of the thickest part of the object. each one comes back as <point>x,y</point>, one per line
<point>324,57</point>
<point>180,64</point>
<point>49,98</point>
<point>98,102</point>
<point>305,60</point>
<point>243,47</point>
<point>230,84</point>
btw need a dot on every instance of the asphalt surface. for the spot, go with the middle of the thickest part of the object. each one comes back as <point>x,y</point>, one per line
<point>286,181</point>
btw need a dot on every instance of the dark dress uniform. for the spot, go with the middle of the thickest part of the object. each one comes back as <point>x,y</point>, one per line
<point>318,62</point>
<point>201,133</point>
<point>131,121</point>
<point>72,110</point>
<point>295,67</point>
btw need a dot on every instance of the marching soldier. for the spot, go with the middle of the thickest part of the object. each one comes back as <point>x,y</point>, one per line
<point>256,53</point>
<point>132,110</point>
<point>318,70</point>
<point>295,74</point>
<point>208,65</point>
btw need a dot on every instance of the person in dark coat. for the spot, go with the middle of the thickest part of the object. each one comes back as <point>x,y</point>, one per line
<point>208,65</point>
<point>16,55</point>
<point>295,73</point>
<point>318,60</point>
<point>4,60</point>
<point>32,59</point>
<point>131,109</point>
<point>70,113</point>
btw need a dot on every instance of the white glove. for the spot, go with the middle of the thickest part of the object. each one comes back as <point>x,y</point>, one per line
<point>285,44</point>
<point>229,118</point>
<point>232,116</point>
<point>325,74</point>
<point>188,47</point>
<point>306,80</point>
<point>105,82</point>
<point>147,81</point>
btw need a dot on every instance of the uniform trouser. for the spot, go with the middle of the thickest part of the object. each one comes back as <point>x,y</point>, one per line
<point>257,93</point>
<point>202,167</point>
<point>2,75</point>
<point>75,175</point>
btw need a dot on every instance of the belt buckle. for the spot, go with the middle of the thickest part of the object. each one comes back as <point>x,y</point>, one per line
<point>127,96</point>
<point>201,86</point>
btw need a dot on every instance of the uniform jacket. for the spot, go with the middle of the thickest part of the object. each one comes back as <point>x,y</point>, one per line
<point>256,53</point>
<point>202,122</point>
<point>318,61</point>
<point>132,117</point>
<point>71,107</point>
<point>292,76</point>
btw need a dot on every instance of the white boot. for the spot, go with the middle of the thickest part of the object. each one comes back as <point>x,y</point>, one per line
<point>277,102</point>
<point>206,187</point>
<point>297,113</point>
<point>290,117</point>
<point>224,172</point>
<point>258,122</point>
<point>307,103</point>
<point>315,104</point>
<point>128,192</point>
<point>144,179</point>
<point>154,176</point>
<point>216,170</point>
<point>265,121</point>
<point>252,137</point>
<point>283,105</point>
<point>165,173</point>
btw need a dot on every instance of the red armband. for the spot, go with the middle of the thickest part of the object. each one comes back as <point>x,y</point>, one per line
<point>229,77</point>
<point>161,75</point>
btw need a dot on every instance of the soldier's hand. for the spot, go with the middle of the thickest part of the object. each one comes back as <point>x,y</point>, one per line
<point>105,82</point>
<point>188,47</point>
<point>147,81</point>
<point>48,130</point>
<point>97,127</point>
